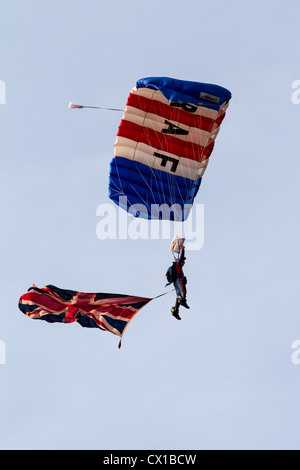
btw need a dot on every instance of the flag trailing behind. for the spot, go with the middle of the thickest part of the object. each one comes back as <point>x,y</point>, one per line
<point>109,312</point>
<point>164,141</point>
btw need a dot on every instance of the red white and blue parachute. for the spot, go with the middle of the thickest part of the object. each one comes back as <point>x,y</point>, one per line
<point>164,141</point>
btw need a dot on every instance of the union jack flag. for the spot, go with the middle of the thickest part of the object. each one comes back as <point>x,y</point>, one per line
<point>109,312</point>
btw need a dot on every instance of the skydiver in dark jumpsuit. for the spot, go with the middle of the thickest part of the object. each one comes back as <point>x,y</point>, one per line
<point>180,285</point>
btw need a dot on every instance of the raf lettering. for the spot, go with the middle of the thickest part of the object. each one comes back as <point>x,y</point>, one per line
<point>173,129</point>
<point>165,159</point>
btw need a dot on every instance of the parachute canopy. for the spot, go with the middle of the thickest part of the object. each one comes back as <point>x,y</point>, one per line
<point>110,312</point>
<point>163,144</point>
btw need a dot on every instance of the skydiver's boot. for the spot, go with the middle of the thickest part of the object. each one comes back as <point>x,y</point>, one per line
<point>175,313</point>
<point>182,301</point>
<point>175,310</point>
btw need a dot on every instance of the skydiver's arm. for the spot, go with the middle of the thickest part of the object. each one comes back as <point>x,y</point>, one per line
<point>181,257</point>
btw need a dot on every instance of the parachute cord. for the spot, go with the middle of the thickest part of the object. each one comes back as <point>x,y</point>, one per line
<point>165,293</point>
<point>80,106</point>
<point>108,109</point>
<point>164,243</point>
<point>153,298</point>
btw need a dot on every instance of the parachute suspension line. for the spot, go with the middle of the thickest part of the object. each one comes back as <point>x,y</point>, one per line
<point>175,190</point>
<point>119,188</point>
<point>144,201</point>
<point>171,181</point>
<point>159,179</point>
<point>165,243</point>
<point>140,173</point>
<point>172,231</point>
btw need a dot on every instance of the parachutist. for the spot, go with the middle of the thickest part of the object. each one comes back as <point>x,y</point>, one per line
<point>175,275</point>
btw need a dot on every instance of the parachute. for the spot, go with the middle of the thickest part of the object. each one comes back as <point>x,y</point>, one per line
<point>109,312</point>
<point>164,141</point>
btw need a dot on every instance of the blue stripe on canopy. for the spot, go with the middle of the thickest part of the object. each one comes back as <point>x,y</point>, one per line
<point>183,91</point>
<point>132,183</point>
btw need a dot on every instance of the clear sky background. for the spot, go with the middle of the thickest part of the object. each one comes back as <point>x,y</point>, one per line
<point>223,377</point>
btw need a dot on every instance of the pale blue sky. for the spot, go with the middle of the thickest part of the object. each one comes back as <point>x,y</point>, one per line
<point>222,378</point>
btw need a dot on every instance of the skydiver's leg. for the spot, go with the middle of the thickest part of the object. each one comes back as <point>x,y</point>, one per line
<point>182,288</point>
<point>175,309</point>
<point>177,287</point>
<point>182,299</point>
